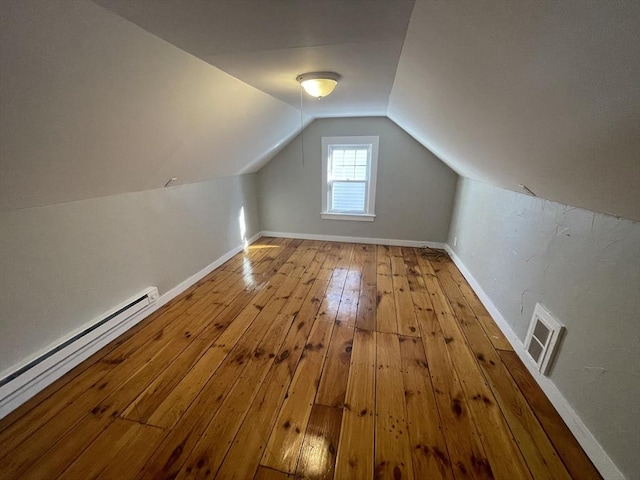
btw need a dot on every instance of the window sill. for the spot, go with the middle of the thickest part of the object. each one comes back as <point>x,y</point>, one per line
<point>358,217</point>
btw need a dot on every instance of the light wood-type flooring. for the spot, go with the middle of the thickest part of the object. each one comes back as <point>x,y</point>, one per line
<point>302,359</point>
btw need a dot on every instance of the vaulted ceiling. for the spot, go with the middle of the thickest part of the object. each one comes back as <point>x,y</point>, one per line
<point>120,95</point>
<point>267,44</point>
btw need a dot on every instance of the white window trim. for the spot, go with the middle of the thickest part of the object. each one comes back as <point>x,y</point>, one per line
<point>369,214</point>
<point>358,217</point>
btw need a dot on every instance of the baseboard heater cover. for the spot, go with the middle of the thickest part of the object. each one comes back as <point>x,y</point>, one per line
<point>35,374</point>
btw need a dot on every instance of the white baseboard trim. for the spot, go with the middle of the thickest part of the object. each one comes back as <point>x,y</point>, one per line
<point>340,238</point>
<point>193,279</point>
<point>22,388</point>
<point>23,381</point>
<point>585,438</point>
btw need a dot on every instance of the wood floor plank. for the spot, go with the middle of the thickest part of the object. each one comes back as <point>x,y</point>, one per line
<point>494,333</point>
<point>340,257</point>
<point>147,394</point>
<point>84,432</point>
<point>224,376</point>
<point>538,451</point>
<point>208,454</point>
<point>392,446</point>
<point>466,453</point>
<point>385,302</point>
<point>428,446</point>
<point>248,446</point>
<point>280,257</point>
<point>349,300</point>
<point>253,254</point>
<point>53,462</point>
<point>320,445</point>
<point>244,454</point>
<point>226,328</point>
<point>176,447</point>
<point>414,274</point>
<point>365,257</point>
<point>69,385</point>
<point>109,448</point>
<point>335,373</point>
<point>355,457</point>
<point>283,448</point>
<point>98,402</point>
<point>281,452</point>
<point>174,358</point>
<point>176,322</point>
<point>568,448</point>
<point>405,315</point>
<point>23,428</point>
<point>133,455</point>
<point>503,454</point>
<point>110,370</point>
<point>202,458</point>
<point>171,408</point>
<point>342,265</point>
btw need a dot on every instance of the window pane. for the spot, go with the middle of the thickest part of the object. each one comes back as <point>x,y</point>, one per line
<point>348,197</point>
<point>349,163</point>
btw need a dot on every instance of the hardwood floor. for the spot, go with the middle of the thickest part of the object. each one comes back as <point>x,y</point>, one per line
<point>302,359</point>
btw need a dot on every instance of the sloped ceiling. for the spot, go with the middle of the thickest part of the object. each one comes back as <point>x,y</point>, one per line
<point>97,101</point>
<point>92,105</point>
<point>267,44</point>
<point>544,94</point>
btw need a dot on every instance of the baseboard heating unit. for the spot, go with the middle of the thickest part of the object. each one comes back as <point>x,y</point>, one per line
<point>24,381</point>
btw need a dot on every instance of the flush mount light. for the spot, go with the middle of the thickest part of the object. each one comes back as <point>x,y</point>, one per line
<point>318,84</point>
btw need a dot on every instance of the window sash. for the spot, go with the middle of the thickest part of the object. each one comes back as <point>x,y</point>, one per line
<point>348,164</point>
<point>341,204</point>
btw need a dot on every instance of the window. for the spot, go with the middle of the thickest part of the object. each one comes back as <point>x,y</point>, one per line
<point>349,169</point>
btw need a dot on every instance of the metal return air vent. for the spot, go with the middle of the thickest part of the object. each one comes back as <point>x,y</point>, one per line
<point>542,338</point>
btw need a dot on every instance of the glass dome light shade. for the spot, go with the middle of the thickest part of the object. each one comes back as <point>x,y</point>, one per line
<point>319,84</point>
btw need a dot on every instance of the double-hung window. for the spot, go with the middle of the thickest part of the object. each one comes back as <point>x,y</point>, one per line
<point>349,170</point>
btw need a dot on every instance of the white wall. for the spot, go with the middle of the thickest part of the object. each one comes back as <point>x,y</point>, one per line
<point>585,268</point>
<point>93,109</point>
<point>63,265</point>
<point>93,105</point>
<point>414,193</point>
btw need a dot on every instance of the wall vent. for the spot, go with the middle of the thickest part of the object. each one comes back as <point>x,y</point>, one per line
<point>542,338</point>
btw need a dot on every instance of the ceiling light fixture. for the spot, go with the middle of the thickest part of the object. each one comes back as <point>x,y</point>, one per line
<point>318,84</point>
